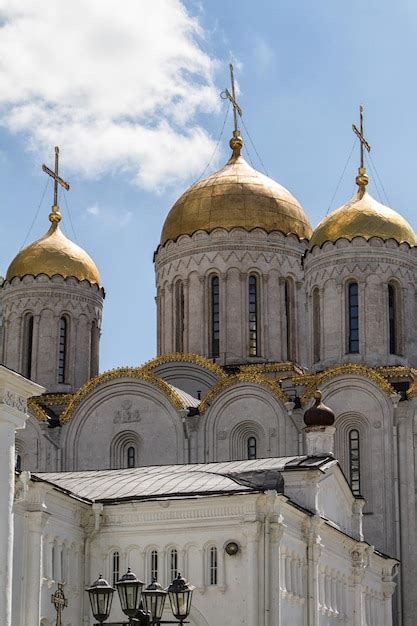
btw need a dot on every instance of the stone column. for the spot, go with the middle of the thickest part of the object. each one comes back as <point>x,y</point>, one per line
<point>359,564</point>
<point>36,521</point>
<point>252,544</point>
<point>14,392</point>
<point>314,548</point>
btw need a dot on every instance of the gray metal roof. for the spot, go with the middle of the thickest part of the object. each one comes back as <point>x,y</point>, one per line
<point>186,399</point>
<point>175,481</point>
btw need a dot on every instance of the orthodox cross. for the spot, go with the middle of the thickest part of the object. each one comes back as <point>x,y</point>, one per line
<point>59,601</point>
<point>56,177</point>
<point>232,97</point>
<point>360,135</point>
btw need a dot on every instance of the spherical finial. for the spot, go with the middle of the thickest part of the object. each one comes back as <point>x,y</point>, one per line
<point>236,143</point>
<point>319,414</point>
<point>362,179</point>
<point>55,215</point>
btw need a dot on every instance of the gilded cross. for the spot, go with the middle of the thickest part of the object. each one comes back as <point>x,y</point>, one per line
<point>57,179</point>
<point>232,97</point>
<point>59,601</point>
<point>360,135</point>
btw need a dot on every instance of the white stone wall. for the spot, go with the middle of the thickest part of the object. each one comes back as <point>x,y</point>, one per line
<point>372,265</point>
<point>233,257</point>
<point>48,299</point>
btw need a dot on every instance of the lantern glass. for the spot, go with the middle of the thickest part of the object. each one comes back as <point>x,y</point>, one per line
<point>154,600</point>
<point>180,594</point>
<point>129,588</point>
<point>101,597</point>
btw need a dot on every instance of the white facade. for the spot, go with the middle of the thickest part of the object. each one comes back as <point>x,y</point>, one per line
<point>301,557</point>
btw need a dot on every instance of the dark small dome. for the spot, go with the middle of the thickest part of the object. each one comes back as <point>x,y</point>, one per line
<point>319,414</point>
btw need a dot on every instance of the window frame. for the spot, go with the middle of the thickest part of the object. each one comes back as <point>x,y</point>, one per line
<point>253,315</point>
<point>251,443</point>
<point>354,469</point>
<point>353,344</point>
<point>215,316</point>
<point>213,566</point>
<point>115,566</point>
<point>63,333</point>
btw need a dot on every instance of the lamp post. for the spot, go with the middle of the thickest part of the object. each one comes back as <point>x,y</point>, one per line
<point>132,599</point>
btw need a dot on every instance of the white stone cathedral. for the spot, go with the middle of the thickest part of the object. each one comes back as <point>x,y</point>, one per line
<point>255,312</point>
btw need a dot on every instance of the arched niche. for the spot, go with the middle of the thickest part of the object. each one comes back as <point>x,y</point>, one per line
<point>115,406</point>
<point>247,403</point>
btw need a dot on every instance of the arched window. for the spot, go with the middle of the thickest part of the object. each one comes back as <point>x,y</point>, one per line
<point>154,564</point>
<point>18,463</point>
<point>253,316</point>
<point>289,318</point>
<point>115,567</point>
<point>62,354</point>
<point>173,564</point>
<point>251,448</point>
<point>354,461</point>
<point>213,566</point>
<point>131,457</point>
<point>316,325</point>
<point>179,317</point>
<point>215,316</point>
<point>393,319</point>
<point>353,316</point>
<point>27,351</point>
<point>93,350</point>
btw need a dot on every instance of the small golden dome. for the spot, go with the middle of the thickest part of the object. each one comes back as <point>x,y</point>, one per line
<point>363,217</point>
<point>236,196</point>
<point>54,254</point>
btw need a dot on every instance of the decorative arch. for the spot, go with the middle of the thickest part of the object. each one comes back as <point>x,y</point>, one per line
<point>120,447</point>
<point>122,372</point>
<point>195,359</point>
<point>239,438</point>
<point>246,376</point>
<point>312,381</point>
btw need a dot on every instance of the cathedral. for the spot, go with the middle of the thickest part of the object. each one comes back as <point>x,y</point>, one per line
<point>256,311</point>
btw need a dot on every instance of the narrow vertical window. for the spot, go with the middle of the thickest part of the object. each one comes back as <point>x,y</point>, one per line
<point>253,316</point>
<point>62,355</point>
<point>154,564</point>
<point>213,569</point>
<point>53,568</point>
<point>354,461</point>
<point>215,316</point>
<point>27,346</point>
<point>392,319</point>
<point>353,311</point>
<point>316,325</point>
<point>131,457</point>
<point>173,564</point>
<point>18,463</point>
<point>251,448</point>
<point>115,567</point>
<point>93,350</point>
<point>289,318</point>
<point>179,317</point>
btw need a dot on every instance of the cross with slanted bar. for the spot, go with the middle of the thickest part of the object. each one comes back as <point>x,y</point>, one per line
<point>232,97</point>
<point>59,601</point>
<point>56,177</point>
<point>360,135</point>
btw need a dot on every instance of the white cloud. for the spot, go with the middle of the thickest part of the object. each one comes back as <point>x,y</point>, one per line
<point>116,84</point>
<point>93,210</point>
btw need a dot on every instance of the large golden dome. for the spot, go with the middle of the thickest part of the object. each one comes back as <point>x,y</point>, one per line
<point>236,196</point>
<point>363,217</point>
<point>54,254</point>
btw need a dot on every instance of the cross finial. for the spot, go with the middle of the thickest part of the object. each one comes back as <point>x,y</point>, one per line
<point>362,178</point>
<point>55,215</point>
<point>236,143</point>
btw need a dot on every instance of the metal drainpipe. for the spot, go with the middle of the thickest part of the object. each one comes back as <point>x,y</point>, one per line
<point>397,520</point>
<point>97,510</point>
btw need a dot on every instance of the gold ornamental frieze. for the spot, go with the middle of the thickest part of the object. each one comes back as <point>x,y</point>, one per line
<point>250,377</point>
<point>180,357</point>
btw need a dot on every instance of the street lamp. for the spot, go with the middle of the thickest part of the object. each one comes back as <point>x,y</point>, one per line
<point>101,597</point>
<point>180,593</point>
<point>131,597</point>
<point>154,600</point>
<point>129,588</point>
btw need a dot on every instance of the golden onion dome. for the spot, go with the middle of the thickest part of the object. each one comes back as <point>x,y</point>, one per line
<point>237,196</point>
<point>54,254</point>
<point>363,217</point>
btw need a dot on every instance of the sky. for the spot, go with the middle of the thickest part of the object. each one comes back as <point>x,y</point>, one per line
<point>132,98</point>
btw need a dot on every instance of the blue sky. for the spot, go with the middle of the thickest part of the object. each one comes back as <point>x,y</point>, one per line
<point>133,136</point>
